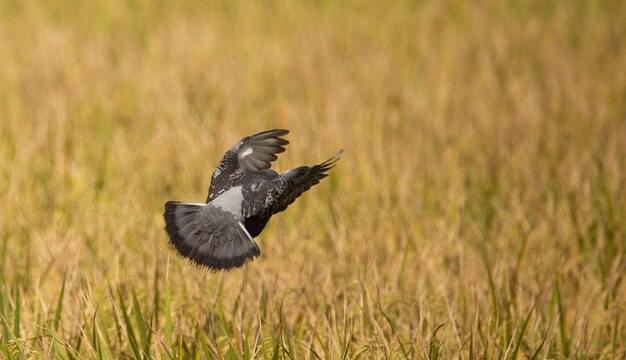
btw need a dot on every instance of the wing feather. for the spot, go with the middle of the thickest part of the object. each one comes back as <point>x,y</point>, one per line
<point>257,152</point>
<point>297,181</point>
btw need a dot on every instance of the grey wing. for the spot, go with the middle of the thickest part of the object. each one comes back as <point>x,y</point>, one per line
<point>208,236</point>
<point>253,153</point>
<point>257,152</point>
<point>295,182</point>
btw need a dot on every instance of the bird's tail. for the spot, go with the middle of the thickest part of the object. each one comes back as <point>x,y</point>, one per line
<point>208,236</point>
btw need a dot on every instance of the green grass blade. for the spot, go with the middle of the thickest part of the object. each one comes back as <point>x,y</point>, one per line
<point>521,335</point>
<point>615,332</point>
<point>156,300</point>
<point>246,347</point>
<point>562,319</point>
<point>168,315</point>
<point>19,344</point>
<point>16,315</point>
<point>434,346</point>
<point>4,340</point>
<point>132,339</point>
<point>543,340</point>
<point>142,327</point>
<point>492,286</point>
<point>3,321</point>
<point>95,339</point>
<point>276,354</point>
<point>5,350</point>
<point>3,256</point>
<point>204,344</point>
<point>264,349</point>
<point>57,314</point>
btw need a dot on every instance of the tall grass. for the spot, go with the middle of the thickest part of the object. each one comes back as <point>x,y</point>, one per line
<point>478,210</point>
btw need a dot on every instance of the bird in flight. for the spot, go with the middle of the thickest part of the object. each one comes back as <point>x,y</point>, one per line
<point>243,195</point>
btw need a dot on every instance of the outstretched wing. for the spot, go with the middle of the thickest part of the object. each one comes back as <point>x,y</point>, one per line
<point>253,153</point>
<point>208,235</point>
<point>295,182</point>
<point>258,151</point>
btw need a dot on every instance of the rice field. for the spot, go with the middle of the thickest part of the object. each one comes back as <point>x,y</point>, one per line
<point>477,211</point>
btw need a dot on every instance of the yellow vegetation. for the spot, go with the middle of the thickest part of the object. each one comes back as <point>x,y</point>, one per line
<point>478,209</point>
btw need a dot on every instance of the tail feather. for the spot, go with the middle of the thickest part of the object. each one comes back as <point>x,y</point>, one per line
<point>208,236</point>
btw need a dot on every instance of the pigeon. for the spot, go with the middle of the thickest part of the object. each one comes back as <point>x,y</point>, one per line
<point>243,195</point>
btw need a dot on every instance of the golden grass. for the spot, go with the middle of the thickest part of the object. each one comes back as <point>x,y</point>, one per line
<point>478,210</point>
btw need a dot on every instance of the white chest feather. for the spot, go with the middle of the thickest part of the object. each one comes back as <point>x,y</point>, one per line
<point>230,201</point>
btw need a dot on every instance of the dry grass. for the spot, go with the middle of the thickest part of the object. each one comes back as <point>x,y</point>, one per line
<point>478,210</point>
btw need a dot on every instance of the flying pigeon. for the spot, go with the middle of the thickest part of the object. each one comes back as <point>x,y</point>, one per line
<point>243,195</point>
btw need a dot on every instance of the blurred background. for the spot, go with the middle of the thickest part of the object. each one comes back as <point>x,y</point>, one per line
<point>478,209</point>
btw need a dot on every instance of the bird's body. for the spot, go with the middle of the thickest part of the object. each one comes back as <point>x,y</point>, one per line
<point>243,195</point>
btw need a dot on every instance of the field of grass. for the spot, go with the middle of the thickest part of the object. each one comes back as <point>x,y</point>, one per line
<point>478,210</point>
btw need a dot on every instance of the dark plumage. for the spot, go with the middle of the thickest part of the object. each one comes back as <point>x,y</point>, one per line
<point>243,195</point>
